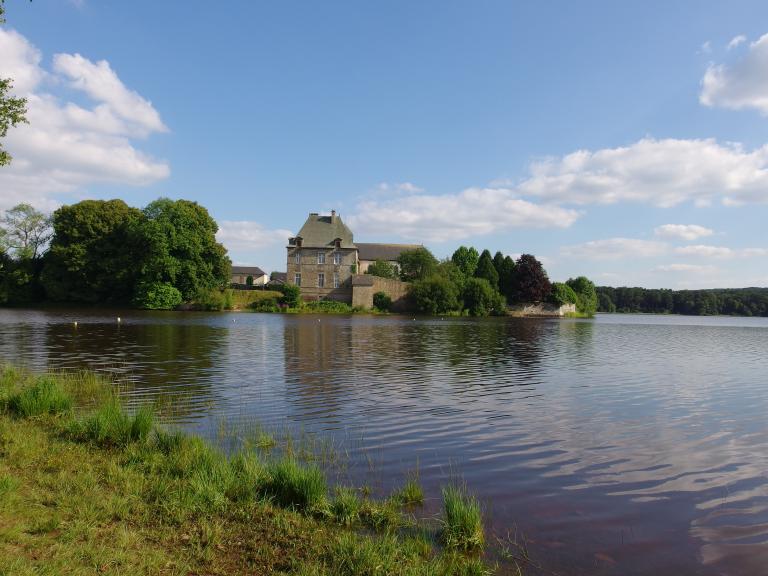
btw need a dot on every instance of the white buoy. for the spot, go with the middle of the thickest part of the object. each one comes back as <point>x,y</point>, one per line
<point>119,320</point>
<point>75,324</point>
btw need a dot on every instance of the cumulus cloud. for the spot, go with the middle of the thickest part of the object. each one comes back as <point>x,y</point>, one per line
<point>722,252</point>
<point>663,173</point>
<point>66,146</point>
<point>743,84</point>
<point>473,212</point>
<point>683,231</point>
<point>736,41</point>
<point>615,249</point>
<point>249,236</point>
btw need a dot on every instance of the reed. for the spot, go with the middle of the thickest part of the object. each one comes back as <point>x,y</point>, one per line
<point>45,396</point>
<point>110,425</point>
<point>462,519</point>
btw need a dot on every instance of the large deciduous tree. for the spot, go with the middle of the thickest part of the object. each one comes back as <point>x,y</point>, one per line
<point>586,294</point>
<point>466,259</point>
<point>435,295</point>
<point>531,281</point>
<point>26,231</point>
<point>416,264</point>
<point>382,269</point>
<point>12,110</point>
<point>93,254</point>
<point>178,240</point>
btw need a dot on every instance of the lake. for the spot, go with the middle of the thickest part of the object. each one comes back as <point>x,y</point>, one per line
<point>619,445</point>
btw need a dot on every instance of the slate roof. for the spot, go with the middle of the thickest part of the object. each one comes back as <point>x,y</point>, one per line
<point>279,277</point>
<point>254,271</point>
<point>388,252</point>
<point>321,232</point>
<point>362,280</point>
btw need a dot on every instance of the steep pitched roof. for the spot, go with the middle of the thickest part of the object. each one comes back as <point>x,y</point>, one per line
<point>254,271</point>
<point>321,232</point>
<point>367,251</point>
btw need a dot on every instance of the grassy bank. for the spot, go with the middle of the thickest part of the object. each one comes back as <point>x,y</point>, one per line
<point>88,488</point>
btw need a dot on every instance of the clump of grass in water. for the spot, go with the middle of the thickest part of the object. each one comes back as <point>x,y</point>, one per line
<point>411,494</point>
<point>346,506</point>
<point>45,396</point>
<point>109,425</point>
<point>295,486</point>
<point>463,521</point>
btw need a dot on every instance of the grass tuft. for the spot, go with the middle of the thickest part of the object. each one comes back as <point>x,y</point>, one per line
<point>109,425</point>
<point>411,494</point>
<point>45,396</point>
<point>296,486</point>
<point>346,506</point>
<point>463,521</point>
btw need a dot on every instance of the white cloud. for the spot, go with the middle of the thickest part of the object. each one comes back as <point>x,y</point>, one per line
<point>683,231</point>
<point>664,173</point>
<point>736,41</point>
<point>615,249</point>
<point>473,212</point>
<point>721,252</point>
<point>743,84</point>
<point>67,147</point>
<point>250,236</point>
<point>686,268</point>
<point>706,47</point>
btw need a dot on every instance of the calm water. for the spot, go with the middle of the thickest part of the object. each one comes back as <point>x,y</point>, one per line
<point>621,445</point>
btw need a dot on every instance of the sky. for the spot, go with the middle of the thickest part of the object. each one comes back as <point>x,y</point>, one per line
<point>625,141</point>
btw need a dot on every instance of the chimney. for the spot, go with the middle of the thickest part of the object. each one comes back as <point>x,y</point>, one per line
<point>333,215</point>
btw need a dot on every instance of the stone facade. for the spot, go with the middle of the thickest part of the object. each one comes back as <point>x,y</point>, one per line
<point>322,273</point>
<point>364,286</point>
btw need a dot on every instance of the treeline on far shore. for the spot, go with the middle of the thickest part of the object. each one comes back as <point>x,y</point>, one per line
<point>712,302</point>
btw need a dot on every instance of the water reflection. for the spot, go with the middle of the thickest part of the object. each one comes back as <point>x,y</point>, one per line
<point>625,445</point>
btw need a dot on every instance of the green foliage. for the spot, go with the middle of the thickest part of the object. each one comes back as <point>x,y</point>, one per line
<point>345,507</point>
<point>531,282</point>
<point>466,259</point>
<point>25,231</point>
<point>462,519</point>
<point>12,112</point>
<point>156,296</point>
<point>507,272</point>
<point>416,264</point>
<point>382,269</point>
<point>265,305</point>
<point>94,253</point>
<point>562,294</point>
<point>411,493</point>
<point>292,485</point>
<point>498,262</point>
<point>111,426</point>
<point>382,301</point>
<point>328,307</point>
<point>480,299</point>
<point>725,301</point>
<point>586,293</point>
<point>435,295</point>
<point>450,271</point>
<point>46,396</point>
<point>291,295</point>
<point>180,248</point>
<point>485,269</point>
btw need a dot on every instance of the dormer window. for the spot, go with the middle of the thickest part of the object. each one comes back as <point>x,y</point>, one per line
<point>298,241</point>
<point>337,242</point>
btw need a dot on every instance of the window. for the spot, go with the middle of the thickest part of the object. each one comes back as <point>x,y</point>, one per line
<point>321,280</point>
<point>335,279</point>
<point>337,258</point>
<point>321,257</point>
<point>297,279</point>
<point>297,256</point>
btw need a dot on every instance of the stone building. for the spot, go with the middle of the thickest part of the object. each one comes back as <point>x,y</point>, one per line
<point>240,275</point>
<point>322,258</point>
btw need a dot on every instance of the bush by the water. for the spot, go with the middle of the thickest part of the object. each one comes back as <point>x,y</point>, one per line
<point>328,307</point>
<point>291,295</point>
<point>157,296</point>
<point>382,301</point>
<point>562,294</point>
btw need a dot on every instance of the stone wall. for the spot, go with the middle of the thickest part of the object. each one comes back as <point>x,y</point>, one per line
<point>364,286</point>
<point>529,309</point>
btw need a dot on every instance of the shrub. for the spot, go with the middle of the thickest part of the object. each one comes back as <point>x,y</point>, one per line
<point>328,307</point>
<point>292,485</point>
<point>265,305</point>
<point>463,522</point>
<point>156,296</point>
<point>480,299</point>
<point>382,269</point>
<point>562,294</point>
<point>110,425</point>
<point>291,295</point>
<point>435,295</point>
<point>586,294</point>
<point>382,301</point>
<point>46,396</point>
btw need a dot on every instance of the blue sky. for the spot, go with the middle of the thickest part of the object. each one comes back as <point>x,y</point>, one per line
<point>622,140</point>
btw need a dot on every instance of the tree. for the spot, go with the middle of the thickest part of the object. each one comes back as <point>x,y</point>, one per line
<point>12,110</point>
<point>416,264</point>
<point>531,281</point>
<point>291,295</point>
<point>156,296</point>
<point>586,294</point>
<point>178,238</point>
<point>382,269</point>
<point>27,231</point>
<point>451,272</point>
<point>94,254</point>
<point>480,299</point>
<point>466,259</point>
<point>434,295</point>
<point>486,269</point>
<point>562,294</point>
<point>507,278</point>
<point>498,261</point>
